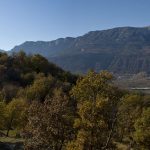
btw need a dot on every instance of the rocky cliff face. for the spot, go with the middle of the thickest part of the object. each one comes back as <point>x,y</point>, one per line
<point>120,50</point>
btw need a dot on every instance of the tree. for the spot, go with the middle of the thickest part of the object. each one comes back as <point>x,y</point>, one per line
<point>40,63</point>
<point>9,92</point>
<point>2,114</point>
<point>97,101</point>
<point>2,73</point>
<point>41,88</point>
<point>142,130</point>
<point>130,109</point>
<point>49,123</point>
<point>16,114</point>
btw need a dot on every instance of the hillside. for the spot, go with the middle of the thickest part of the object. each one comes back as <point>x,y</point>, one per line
<point>119,50</point>
<point>21,70</point>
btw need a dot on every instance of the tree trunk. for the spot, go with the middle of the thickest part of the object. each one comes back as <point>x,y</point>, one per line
<point>9,126</point>
<point>110,134</point>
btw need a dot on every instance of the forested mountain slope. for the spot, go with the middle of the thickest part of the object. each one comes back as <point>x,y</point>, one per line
<point>19,71</point>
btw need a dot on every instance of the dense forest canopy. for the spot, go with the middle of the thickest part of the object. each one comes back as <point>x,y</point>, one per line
<point>51,109</point>
<point>19,71</point>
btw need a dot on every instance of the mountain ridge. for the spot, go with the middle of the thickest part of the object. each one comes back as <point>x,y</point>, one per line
<point>99,50</point>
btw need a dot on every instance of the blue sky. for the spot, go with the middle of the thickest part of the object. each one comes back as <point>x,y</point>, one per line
<point>32,20</point>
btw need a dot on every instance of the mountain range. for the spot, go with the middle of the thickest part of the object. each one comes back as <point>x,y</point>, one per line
<point>2,50</point>
<point>122,50</point>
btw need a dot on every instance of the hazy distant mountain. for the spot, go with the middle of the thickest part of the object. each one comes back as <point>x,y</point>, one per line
<point>120,50</point>
<point>2,50</point>
<point>52,48</point>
